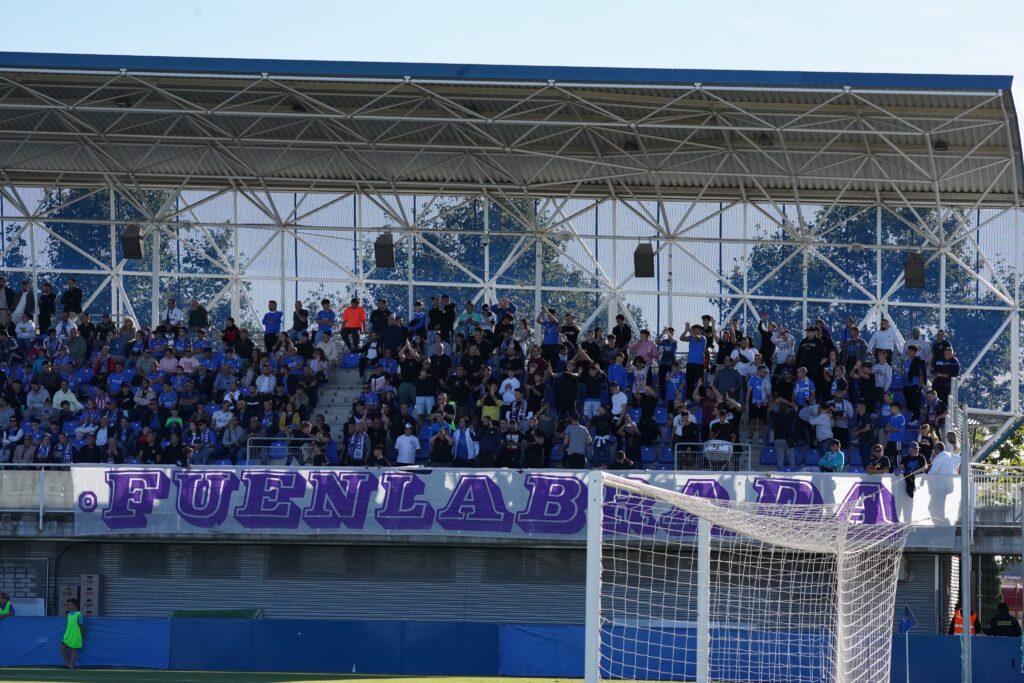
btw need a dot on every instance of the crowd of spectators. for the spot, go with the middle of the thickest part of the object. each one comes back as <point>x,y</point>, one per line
<point>465,387</point>
<point>75,390</point>
<point>485,387</point>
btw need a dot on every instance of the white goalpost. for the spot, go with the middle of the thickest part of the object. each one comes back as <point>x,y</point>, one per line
<point>683,588</point>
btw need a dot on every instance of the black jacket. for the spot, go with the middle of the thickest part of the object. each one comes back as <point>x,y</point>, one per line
<point>71,300</point>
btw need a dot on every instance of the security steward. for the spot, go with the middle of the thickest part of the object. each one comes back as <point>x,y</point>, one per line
<point>956,624</point>
<point>1004,623</point>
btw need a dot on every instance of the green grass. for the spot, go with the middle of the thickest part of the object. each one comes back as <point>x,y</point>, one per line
<point>146,676</point>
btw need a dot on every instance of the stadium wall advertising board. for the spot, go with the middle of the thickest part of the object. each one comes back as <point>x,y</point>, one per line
<point>447,502</point>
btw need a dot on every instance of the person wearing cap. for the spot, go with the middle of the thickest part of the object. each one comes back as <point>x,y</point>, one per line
<point>407,445</point>
<point>353,324</point>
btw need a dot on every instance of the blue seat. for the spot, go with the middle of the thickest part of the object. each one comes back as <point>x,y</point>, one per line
<point>131,461</point>
<point>350,361</point>
<point>787,469</point>
<point>853,469</point>
<point>853,456</point>
<point>661,416</point>
<point>634,414</point>
<point>70,426</point>
<point>279,450</point>
<point>222,461</point>
<point>557,454</point>
<point>768,456</point>
<point>648,455</point>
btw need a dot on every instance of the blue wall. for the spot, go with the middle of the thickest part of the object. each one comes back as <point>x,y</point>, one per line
<point>409,648</point>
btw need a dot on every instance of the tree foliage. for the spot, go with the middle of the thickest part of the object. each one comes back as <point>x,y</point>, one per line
<point>79,246</point>
<point>859,272</point>
<point>451,249</point>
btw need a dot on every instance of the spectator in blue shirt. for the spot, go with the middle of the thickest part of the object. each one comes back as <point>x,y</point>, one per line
<point>696,347</point>
<point>896,429</point>
<point>418,322</point>
<point>833,460</point>
<point>325,319</point>
<point>549,342</point>
<point>272,321</point>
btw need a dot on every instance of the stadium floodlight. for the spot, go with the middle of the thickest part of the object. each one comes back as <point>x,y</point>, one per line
<point>686,588</point>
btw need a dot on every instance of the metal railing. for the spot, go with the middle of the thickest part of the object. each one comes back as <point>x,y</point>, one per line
<point>713,455</point>
<point>261,450</point>
<point>998,490</point>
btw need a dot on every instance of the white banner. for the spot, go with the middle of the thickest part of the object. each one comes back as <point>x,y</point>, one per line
<point>446,502</point>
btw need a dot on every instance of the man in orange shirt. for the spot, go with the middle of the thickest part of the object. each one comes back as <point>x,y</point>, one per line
<point>353,323</point>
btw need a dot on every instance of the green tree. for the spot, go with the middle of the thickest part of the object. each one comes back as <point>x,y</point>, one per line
<point>80,221</point>
<point>969,326</point>
<point>455,231</point>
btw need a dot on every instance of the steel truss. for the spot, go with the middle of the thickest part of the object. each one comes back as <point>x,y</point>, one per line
<point>707,172</point>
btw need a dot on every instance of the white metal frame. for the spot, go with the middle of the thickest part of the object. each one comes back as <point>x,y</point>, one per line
<point>276,155</point>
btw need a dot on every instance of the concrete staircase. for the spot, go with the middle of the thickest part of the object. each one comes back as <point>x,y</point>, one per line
<point>337,397</point>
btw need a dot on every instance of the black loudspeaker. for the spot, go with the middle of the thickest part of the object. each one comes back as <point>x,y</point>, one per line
<point>131,242</point>
<point>384,251</point>
<point>643,261</point>
<point>913,271</point>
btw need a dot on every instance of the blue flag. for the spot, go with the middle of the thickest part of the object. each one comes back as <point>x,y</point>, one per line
<point>907,621</point>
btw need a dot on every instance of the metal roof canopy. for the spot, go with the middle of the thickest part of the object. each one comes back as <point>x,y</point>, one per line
<point>130,122</point>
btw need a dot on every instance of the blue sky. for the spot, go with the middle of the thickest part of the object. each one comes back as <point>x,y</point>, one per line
<point>940,36</point>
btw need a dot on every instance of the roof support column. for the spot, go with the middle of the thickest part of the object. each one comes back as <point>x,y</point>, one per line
<point>115,270</point>
<point>154,312</point>
<point>236,278</point>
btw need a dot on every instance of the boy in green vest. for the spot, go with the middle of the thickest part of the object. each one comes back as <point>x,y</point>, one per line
<point>72,642</point>
<point>6,608</point>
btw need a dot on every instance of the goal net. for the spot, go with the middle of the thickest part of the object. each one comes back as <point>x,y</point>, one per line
<point>683,588</point>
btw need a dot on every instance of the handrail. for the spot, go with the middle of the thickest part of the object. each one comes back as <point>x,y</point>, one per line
<point>720,454</point>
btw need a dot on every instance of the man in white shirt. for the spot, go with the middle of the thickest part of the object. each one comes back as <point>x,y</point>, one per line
<point>172,315</point>
<point>65,394</point>
<point>618,399</point>
<point>944,462</point>
<point>221,418</point>
<point>407,445</point>
<point>65,326</point>
<point>25,331</point>
<point>508,387</point>
<point>265,381</point>
<point>886,338</point>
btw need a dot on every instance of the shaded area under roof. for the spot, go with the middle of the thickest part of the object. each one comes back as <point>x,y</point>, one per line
<point>399,127</point>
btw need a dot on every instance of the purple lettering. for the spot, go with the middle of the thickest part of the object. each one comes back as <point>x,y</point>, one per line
<point>681,523</point>
<point>400,510</point>
<point>204,496</point>
<point>476,504</point>
<point>132,495</point>
<point>868,502</point>
<point>339,498</point>
<point>627,513</point>
<point>268,499</point>
<point>557,505</point>
<point>783,491</point>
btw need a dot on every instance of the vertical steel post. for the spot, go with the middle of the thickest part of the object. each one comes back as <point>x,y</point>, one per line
<point>965,553</point>
<point>595,511</point>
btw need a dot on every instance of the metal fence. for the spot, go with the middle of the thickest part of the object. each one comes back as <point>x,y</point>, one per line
<point>27,581</point>
<point>269,451</point>
<point>718,456</point>
<point>998,490</point>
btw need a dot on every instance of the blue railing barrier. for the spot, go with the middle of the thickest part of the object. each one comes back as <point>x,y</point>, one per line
<point>411,648</point>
